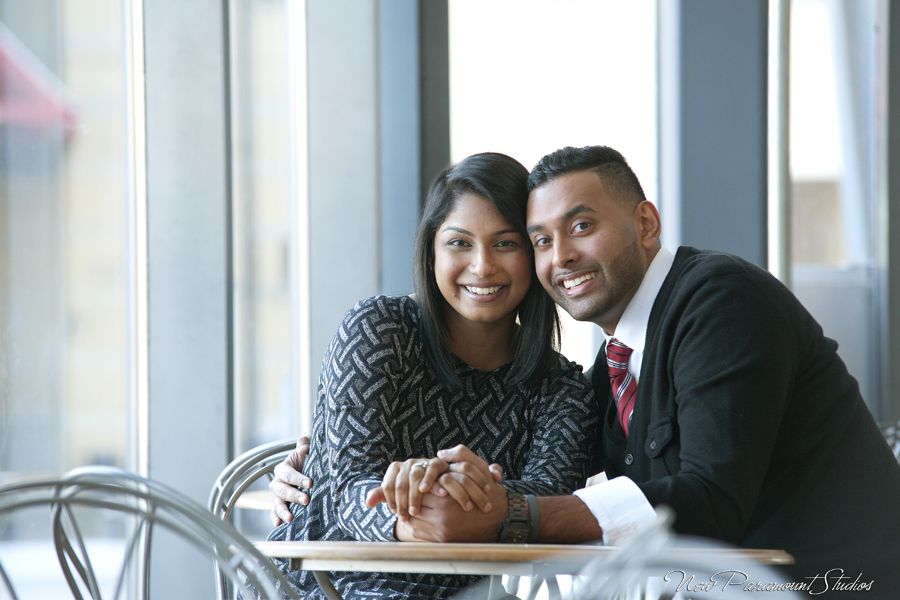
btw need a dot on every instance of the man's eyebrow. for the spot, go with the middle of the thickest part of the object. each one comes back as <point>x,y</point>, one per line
<point>578,208</point>
<point>575,210</point>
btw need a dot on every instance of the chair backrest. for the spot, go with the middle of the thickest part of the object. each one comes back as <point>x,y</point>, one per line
<point>648,564</point>
<point>236,478</point>
<point>652,565</point>
<point>242,472</point>
<point>92,493</point>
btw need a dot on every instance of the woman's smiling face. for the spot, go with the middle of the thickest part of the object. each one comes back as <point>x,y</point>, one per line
<point>481,263</point>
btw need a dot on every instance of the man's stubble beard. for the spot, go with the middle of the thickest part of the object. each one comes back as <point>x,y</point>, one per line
<point>615,287</point>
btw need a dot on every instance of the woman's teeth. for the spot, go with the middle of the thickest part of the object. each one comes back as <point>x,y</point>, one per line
<point>483,291</point>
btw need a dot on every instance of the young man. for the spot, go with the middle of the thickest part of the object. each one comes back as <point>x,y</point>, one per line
<point>723,399</point>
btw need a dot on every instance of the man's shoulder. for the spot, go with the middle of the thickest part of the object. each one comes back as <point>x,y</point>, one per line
<point>699,263</point>
<point>694,270</point>
<point>705,286</point>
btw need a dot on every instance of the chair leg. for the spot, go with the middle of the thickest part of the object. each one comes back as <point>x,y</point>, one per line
<point>553,588</point>
<point>325,584</point>
<point>536,582</point>
<point>496,590</point>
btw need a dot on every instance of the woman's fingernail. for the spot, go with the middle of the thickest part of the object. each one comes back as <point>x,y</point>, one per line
<point>412,510</point>
<point>487,507</point>
<point>468,506</point>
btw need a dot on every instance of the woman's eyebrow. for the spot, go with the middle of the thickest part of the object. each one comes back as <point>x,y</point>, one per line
<point>467,232</point>
<point>458,230</point>
<point>504,232</point>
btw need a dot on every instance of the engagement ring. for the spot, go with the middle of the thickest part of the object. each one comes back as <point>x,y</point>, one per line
<point>423,464</point>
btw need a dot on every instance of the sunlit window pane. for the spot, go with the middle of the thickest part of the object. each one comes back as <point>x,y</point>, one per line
<point>64,353</point>
<point>266,402</point>
<point>63,235</point>
<point>833,192</point>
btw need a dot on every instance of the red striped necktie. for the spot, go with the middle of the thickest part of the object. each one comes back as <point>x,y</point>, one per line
<point>624,385</point>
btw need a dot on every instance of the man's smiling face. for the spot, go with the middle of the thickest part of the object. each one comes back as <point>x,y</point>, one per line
<point>591,248</point>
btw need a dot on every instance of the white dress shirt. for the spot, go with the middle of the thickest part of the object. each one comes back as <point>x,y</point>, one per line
<point>618,504</point>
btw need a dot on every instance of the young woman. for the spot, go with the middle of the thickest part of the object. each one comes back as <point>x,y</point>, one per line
<point>469,359</point>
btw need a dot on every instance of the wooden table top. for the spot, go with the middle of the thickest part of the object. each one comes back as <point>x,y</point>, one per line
<point>423,551</point>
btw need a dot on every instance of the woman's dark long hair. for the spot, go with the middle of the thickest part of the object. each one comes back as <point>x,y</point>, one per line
<point>502,181</point>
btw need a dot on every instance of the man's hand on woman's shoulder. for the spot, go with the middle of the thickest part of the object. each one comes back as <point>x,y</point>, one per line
<point>287,481</point>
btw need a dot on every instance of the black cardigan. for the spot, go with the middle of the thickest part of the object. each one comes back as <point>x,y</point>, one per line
<point>749,426</point>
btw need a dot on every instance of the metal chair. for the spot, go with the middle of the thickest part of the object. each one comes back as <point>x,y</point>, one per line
<point>97,492</point>
<point>652,565</point>
<point>242,472</point>
<point>891,433</point>
<point>649,566</point>
<point>236,478</point>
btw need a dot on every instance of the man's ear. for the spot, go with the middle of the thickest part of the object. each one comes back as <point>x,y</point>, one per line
<point>648,224</point>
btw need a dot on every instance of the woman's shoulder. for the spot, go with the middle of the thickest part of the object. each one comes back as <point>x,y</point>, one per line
<point>383,316</point>
<point>389,305</point>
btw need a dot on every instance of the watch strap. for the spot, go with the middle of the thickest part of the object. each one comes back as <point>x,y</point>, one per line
<point>516,528</point>
<point>535,517</point>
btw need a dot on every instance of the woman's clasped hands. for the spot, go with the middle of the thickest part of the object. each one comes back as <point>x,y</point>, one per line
<point>457,473</point>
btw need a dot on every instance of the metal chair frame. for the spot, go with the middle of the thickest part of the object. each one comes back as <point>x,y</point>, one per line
<point>236,478</point>
<point>891,433</point>
<point>243,472</point>
<point>152,505</point>
<point>624,575</point>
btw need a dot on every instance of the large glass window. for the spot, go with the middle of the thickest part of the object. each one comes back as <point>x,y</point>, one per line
<point>268,123</point>
<point>529,77</point>
<point>63,235</point>
<point>833,123</point>
<point>64,247</point>
<point>268,139</point>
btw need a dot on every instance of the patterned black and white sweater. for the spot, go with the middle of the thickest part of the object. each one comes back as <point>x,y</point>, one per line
<point>378,402</point>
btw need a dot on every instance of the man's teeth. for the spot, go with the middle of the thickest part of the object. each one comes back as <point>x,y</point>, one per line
<point>570,283</point>
<point>482,291</point>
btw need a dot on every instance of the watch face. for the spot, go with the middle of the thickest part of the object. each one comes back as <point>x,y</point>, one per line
<point>516,533</point>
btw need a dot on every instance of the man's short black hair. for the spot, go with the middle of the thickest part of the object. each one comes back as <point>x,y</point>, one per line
<point>606,162</point>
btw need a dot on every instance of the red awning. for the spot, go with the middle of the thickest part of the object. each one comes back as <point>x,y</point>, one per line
<point>30,95</point>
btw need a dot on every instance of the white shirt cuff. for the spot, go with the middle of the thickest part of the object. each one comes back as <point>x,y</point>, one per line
<point>619,506</point>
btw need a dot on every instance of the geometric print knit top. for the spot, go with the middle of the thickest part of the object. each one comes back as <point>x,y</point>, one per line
<point>378,402</point>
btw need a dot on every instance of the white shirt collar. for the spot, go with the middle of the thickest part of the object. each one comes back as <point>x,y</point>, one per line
<point>632,327</point>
